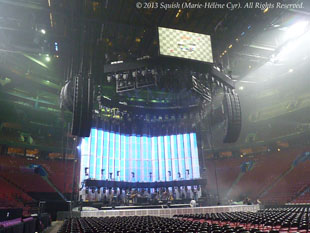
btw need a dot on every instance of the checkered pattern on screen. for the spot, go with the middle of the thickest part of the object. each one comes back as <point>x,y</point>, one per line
<point>172,41</point>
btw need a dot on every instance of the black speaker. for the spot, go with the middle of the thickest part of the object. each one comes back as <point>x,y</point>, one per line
<point>77,105</point>
<point>82,106</point>
<point>232,111</point>
<point>66,97</point>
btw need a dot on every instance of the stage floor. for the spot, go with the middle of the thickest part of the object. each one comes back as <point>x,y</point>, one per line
<point>169,212</point>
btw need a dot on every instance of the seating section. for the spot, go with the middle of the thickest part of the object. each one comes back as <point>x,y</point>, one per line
<point>288,187</point>
<point>11,196</point>
<point>227,170</point>
<point>268,220</point>
<point>302,199</point>
<point>267,170</point>
<point>60,173</point>
<point>271,220</point>
<point>15,170</point>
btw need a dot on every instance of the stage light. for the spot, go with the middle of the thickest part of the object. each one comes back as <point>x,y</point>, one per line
<point>56,46</point>
<point>296,30</point>
<point>48,59</point>
<point>43,31</point>
<point>125,76</point>
<point>143,72</point>
<point>109,78</point>
<point>134,74</point>
<point>241,88</point>
<point>117,76</point>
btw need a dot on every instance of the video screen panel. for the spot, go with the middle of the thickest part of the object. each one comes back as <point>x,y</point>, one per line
<point>132,158</point>
<point>183,44</point>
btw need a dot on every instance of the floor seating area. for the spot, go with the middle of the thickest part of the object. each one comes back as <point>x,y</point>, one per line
<point>270,220</point>
<point>134,224</point>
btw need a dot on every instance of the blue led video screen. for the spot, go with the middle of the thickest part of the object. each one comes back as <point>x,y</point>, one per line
<point>131,158</point>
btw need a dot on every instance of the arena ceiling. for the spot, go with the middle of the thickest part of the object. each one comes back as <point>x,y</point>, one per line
<point>38,40</point>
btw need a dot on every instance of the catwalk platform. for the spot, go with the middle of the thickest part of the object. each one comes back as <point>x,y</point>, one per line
<point>169,212</point>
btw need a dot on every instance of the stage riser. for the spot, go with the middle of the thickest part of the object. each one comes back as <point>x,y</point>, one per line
<point>170,212</point>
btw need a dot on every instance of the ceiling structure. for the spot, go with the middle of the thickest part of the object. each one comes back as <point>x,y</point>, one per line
<point>39,41</point>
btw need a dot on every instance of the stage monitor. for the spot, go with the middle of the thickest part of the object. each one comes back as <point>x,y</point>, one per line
<point>134,158</point>
<point>183,44</point>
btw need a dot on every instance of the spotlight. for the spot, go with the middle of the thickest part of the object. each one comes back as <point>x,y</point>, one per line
<point>43,31</point>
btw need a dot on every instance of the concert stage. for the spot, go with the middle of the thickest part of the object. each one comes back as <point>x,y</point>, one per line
<point>169,212</point>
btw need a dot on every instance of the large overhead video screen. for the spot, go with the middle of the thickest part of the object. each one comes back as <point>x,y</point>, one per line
<point>182,44</point>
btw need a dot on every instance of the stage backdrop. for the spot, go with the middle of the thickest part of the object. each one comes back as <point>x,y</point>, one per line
<point>132,158</point>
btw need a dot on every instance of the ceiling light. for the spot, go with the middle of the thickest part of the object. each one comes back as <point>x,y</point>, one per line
<point>43,31</point>
<point>48,59</point>
<point>290,70</point>
<point>266,10</point>
<point>241,88</point>
<point>230,46</point>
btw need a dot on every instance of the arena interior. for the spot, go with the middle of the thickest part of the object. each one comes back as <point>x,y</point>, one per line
<point>154,116</point>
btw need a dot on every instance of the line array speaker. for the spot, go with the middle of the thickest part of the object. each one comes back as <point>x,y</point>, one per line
<point>232,111</point>
<point>82,106</point>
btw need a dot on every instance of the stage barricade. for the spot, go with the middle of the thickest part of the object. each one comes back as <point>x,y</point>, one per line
<point>170,212</point>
